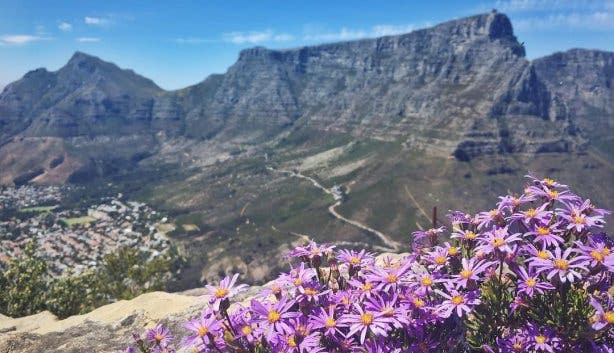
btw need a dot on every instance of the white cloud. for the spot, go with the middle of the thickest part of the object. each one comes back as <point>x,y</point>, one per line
<point>256,37</point>
<point>351,34</point>
<point>19,39</point>
<point>96,21</point>
<point>88,40</point>
<point>65,27</point>
<point>597,20</point>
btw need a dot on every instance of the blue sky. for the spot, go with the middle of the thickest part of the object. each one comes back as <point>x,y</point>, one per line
<point>179,43</point>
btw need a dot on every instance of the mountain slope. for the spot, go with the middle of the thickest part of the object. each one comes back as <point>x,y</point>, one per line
<point>449,116</point>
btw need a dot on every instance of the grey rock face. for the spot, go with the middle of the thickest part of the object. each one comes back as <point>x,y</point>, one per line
<point>581,85</point>
<point>462,87</point>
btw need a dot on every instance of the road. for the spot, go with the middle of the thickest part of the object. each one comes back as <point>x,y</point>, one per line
<point>391,245</point>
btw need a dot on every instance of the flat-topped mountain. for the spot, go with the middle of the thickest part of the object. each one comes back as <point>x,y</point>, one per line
<point>465,80</point>
<point>398,120</point>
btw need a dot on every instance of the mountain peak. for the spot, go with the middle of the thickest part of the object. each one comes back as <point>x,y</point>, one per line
<point>80,56</point>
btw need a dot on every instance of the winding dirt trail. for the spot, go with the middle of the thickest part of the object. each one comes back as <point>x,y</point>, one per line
<point>391,245</point>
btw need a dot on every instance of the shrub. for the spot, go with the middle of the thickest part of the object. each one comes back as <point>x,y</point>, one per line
<point>26,287</point>
<point>530,275</point>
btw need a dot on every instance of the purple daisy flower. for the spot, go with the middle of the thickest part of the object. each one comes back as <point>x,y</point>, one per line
<point>545,182</point>
<point>562,265</point>
<point>542,339</point>
<point>595,253</point>
<point>356,259</point>
<point>530,283</point>
<point>297,276</point>
<point>438,258</point>
<point>424,282</point>
<point>498,239</point>
<point>366,321</point>
<point>159,336</point>
<point>471,269</point>
<point>300,339</point>
<point>532,215</point>
<point>223,291</point>
<point>389,278</point>
<point>429,233</point>
<point>546,235</point>
<point>389,308</point>
<point>464,235</point>
<point>273,317</point>
<point>203,330</point>
<point>327,320</point>
<point>456,301</point>
<point>489,218</point>
<point>552,195</point>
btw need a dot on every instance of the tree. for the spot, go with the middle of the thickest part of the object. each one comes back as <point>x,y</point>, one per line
<point>25,280</point>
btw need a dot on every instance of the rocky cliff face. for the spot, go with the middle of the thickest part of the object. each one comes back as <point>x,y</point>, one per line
<point>581,87</point>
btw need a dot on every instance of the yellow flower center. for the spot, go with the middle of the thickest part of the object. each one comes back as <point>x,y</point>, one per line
<point>367,287</point>
<point>418,302</point>
<point>298,282</point>
<point>466,274</point>
<point>517,347</point>
<point>497,242</point>
<point>330,322</point>
<point>246,330</point>
<point>531,212</point>
<point>159,337</point>
<point>274,316</point>
<point>457,299</point>
<point>543,231</point>
<point>392,279</point>
<point>494,212</point>
<point>597,255</point>
<point>453,250</point>
<point>553,194</point>
<point>354,260</point>
<point>310,291</point>
<point>579,220</point>
<point>202,331</point>
<point>543,255</point>
<point>315,251</point>
<point>426,281</point>
<point>548,181</point>
<point>561,264</point>
<point>540,339</point>
<point>291,341</point>
<point>609,317</point>
<point>220,292</point>
<point>530,282</point>
<point>470,235</point>
<point>366,319</point>
<point>440,260</point>
<point>605,251</point>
